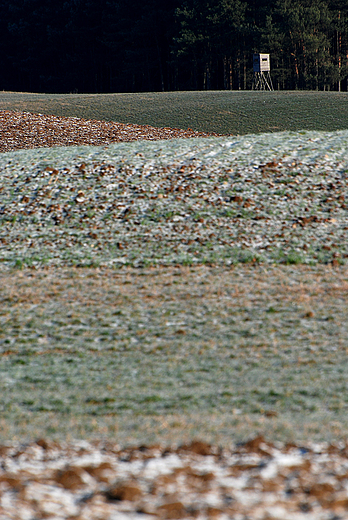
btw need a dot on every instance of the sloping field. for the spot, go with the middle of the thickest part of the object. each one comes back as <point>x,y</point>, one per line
<point>113,344</point>
<point>223,112</point>
<point>161,292</point>
<point>271,198</point>
<point>205,205</point>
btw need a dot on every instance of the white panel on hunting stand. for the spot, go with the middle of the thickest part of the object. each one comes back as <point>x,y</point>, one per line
<point>261,78</point>
<point>261,63</point>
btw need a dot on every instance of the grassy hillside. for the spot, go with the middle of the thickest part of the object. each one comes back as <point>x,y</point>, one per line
<point>214,111</point>
<point>160,291</point>
<point>271,198</point>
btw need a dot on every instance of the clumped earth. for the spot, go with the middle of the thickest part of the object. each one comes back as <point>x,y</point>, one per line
<point>257,480</point>
<point>21,130</point>
<point>162,292</point>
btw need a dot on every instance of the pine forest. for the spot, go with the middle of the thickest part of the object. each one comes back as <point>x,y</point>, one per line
<point>101,46</point>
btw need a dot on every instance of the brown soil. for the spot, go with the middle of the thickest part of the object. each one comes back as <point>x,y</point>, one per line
<point>25,130</point>
<point>255,480</point>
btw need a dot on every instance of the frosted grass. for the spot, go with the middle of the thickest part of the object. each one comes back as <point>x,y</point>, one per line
<point>275,198</point>
<point>307,147</point>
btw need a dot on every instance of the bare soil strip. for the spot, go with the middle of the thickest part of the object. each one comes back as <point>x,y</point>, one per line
<point>23,130</point>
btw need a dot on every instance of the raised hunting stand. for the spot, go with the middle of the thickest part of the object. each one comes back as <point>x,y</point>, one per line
<point>262,77</point>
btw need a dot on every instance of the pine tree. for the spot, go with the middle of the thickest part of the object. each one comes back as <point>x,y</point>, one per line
<point>305,26</point>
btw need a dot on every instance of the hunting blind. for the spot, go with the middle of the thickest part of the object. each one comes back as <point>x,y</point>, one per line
<point>261,77</point>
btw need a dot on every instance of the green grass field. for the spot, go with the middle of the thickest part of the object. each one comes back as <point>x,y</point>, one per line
<point>169,354</point>
<point>100,337</point>
<point>231,112</point>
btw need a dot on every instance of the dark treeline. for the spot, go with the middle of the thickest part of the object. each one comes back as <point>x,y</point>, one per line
<point>151,45</point>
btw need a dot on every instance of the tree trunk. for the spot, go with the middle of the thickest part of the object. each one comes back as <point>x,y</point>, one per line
<point>225,73</point>
<point>244,73</point>
<point>339,48</point>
